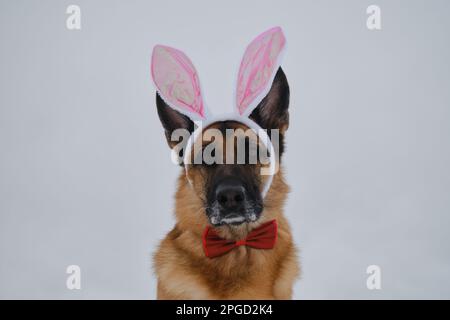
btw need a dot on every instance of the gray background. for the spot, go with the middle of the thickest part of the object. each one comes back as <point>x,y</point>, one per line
<point>85,175</point>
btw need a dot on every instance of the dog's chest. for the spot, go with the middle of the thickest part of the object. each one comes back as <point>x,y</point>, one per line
<point>240,274</point>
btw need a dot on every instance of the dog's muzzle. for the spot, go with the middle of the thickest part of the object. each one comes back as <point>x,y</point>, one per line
<point>232,204</point>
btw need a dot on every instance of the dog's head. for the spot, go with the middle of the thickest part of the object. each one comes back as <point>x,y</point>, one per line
<point>224,165</point>
<point>231,190</point>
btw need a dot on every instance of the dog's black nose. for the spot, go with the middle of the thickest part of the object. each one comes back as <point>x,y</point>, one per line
<point>230,195</point>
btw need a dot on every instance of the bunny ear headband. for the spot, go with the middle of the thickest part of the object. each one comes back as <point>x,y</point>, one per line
<point>177,83</point>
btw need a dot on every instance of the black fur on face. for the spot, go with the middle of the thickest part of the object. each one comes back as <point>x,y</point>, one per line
<point>232,192</point>
<point>233,195</point>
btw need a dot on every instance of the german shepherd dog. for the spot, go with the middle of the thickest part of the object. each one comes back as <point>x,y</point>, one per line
<point>227,198</point>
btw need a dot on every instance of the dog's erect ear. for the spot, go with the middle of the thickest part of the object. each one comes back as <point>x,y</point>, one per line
<point>272,112</point>
<point>172,120</point>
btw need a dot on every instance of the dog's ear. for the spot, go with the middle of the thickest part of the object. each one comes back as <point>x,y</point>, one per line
<point>272,112</point>
<point>171,120</point>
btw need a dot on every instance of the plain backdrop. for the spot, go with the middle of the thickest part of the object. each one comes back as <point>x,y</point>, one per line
<point>86,176</point>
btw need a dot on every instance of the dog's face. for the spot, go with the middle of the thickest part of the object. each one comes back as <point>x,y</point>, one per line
<point>230,189</point>
<point>231,192</point>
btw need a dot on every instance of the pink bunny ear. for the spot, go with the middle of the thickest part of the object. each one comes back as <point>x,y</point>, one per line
<point>177,82</point>
<point>258,68</point>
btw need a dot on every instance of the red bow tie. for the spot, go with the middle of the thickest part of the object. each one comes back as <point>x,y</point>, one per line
<point>263,237</point>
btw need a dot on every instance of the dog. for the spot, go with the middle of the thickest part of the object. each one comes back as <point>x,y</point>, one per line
<point>223,202</point>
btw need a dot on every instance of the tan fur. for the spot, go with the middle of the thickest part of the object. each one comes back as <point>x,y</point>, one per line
<point>184,272</point>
